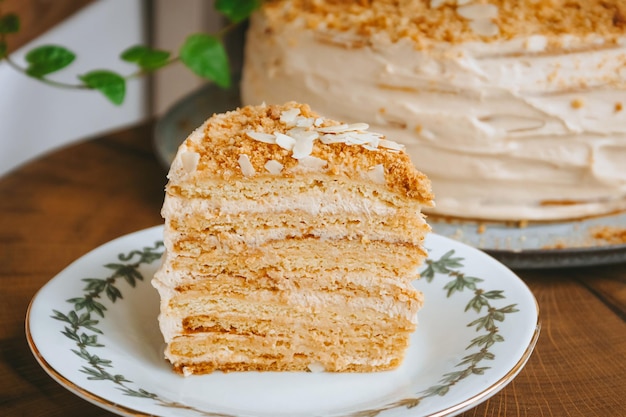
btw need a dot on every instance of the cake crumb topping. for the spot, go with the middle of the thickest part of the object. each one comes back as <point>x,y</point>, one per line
<point>457,21</point>
<point>239,143</point>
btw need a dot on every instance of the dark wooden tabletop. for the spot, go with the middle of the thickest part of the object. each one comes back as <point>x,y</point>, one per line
<point>62,205</point>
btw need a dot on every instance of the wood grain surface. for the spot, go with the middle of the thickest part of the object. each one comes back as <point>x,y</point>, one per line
<point>61,206</point>
<point>38,16</point>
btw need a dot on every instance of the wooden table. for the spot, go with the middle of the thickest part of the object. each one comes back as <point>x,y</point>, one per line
<point>64,204</point>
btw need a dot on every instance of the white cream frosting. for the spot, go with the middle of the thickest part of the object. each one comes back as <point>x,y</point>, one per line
<point>313,201</point>
<point>505,130</point>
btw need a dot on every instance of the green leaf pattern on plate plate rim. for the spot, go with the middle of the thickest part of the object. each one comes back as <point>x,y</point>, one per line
<point>81,325</point>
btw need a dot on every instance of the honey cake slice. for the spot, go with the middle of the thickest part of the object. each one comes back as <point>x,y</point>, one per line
<point>292,241</point>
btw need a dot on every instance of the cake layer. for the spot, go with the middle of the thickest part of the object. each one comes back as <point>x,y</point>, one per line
<point>232,323</point>
<point>308,254</point>
<point>530,125</point>
<point>231,303</point>
<point>263,223</point>
<point>305,190</point>
<point>325,306</point>
<point>354,283</point>
<point>202,353</point>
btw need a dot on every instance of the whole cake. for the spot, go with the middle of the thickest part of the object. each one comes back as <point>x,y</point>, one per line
<point>291,243</point>
<point>515,109</point>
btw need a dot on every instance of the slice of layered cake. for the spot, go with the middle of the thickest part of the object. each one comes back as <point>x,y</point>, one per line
<point>291,244</point>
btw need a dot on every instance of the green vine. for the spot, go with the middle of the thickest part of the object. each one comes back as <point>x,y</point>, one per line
<point>81,326</point>
<point>203,54</point>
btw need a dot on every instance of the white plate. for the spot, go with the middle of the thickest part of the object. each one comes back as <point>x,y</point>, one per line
<point>97,335</point>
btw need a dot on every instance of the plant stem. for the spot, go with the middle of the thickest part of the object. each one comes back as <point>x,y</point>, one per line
<point>53,83</point>
<point>228,28</point>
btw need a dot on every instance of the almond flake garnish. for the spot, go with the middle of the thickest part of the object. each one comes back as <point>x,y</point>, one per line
<point>329,138</point>
<point>389,144</point>
<point>484,27</point>
<point>302,148</point>
<point>333,129</point>
<point>190,161</point>
<point>273,167</point>
<point>312,162</point>
<point>288,117</point>
<point>301,134</point>
<point>377,174</point>
<point>435,4</point>
<point>305,130</point>
<point>478,11</point>
<point>246,166</point>
<point>302,121</point>
<point>284,141</point>
<point>261,136</point>
<point>358,126</point>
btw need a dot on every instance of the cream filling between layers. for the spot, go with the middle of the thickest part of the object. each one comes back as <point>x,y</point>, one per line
<point>267,304</point>
<point>315,202</point>
<point>504,130</point>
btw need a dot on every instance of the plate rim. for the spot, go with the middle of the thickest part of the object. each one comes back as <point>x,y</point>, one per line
<point>451,410</point>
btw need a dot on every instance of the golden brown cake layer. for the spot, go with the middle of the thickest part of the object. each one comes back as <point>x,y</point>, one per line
<point>300,352</point>
<point>307,254</point>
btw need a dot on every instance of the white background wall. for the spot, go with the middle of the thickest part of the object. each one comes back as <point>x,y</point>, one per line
<point>36,118</point>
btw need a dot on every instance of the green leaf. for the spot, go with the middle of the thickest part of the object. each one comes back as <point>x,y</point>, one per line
<point>480,371</point>
<point>128,272</point>
<point>71,334</point>
<point>460,283</point>
<point>477,303</point>
<point>486,340</point>
<point>146,58</point>
<point>112,85</point>
<point>205,56</point>
<point>492,295</point>
<point>482,322</point>
<point>237,10</point>
<point>46,59</point>
<point>60,316</point>
<point>440,390</point>
<point>113,293</point>
<point>140,393</point>
<point>9,23</point>
<point>95,284</point>
<point>508,309</point>
<point>3,49</point>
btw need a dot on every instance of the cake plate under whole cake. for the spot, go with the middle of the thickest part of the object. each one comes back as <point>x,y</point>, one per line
<point>584,242</point>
